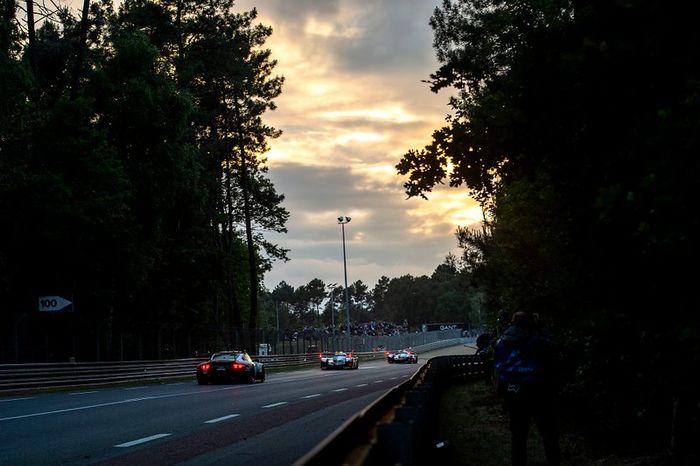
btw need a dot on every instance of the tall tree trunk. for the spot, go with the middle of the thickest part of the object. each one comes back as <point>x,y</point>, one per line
<point>222,226</point>
<point>180,45</point>
<point>234,308</point>
<point>82,45</point>
<point>252,258</point>
<point>31,50</point>
<point>180,42</point>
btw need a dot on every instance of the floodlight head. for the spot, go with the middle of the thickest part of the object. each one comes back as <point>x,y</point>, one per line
<point>347,219</point>
<point>340,219</point>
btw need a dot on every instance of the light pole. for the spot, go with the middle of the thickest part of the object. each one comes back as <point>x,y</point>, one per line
<point>342,221</point>
<point>332,309</point>
<point>332,287</point>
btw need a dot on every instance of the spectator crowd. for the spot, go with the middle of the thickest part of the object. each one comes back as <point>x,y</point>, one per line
<point>372,328</point>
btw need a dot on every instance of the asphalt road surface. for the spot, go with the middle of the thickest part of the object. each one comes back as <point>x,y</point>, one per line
<point>266,424</point>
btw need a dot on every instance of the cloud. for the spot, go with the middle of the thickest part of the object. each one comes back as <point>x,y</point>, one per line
<point>387,235</point>
<point>353,103</point>
<point>355,36</point>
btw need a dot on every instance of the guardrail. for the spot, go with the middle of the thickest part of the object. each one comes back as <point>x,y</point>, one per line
<point>400,427</point>
<point>45,375</point>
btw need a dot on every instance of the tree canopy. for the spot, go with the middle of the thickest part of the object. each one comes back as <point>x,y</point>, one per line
<point>132,166</point>
<point>575,125</point>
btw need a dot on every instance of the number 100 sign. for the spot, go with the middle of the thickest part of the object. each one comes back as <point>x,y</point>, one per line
<point>54,304</point>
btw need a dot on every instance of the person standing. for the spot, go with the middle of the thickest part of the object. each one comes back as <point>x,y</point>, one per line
<point>525,374</point>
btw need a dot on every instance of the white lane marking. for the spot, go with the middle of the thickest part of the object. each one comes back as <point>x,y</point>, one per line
<point>362,385</point>
<point>79,408</point>
<point>82,393</point>
<point>102,405</point>
<point>378,381</point>
<point>130,400</point>
<point>312,396</point>
<point>275,404</point>
<point>136,388</point>
<point>17,399</point>
<point>340,389</point>
<point>219,419</point>
<point>393,378</point>
<point>141,440</point>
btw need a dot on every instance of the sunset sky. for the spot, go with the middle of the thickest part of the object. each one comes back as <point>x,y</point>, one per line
<point>352,104</point>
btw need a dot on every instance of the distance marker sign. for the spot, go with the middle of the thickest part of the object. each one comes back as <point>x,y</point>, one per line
<point>54,304</point>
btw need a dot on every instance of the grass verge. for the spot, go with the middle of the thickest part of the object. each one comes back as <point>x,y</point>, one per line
<point>475,425</point>
<point>473,422</point>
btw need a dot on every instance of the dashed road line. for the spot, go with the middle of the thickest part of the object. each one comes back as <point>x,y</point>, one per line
<point>222,418</point>
<point>79,408</point>
<point>136,388</point>
<point>141,440</point>
<point>82,393</point>
<point>113,403</point>
<point>362,385</point>
<point>17,399</point>
<point>275,404</point>
<point>340,389</point>
<point>378,381</point>
<point>312,396</point>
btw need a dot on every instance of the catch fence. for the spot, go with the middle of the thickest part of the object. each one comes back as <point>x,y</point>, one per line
<point>33,340</point>
<point>14,377</point>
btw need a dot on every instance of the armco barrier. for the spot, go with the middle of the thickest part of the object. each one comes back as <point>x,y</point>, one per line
<point>34,376</point>
<point>45,375</point>
<point>400,427</point>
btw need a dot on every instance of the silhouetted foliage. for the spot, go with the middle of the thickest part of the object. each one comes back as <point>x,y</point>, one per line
<point>120,184</point>
<point>576,126</point>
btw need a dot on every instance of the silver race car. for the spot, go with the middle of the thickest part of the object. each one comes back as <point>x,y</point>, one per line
<point>339,360</point>
<point>403,356</point>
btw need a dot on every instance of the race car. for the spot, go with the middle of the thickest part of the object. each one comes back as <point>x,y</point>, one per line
<point>339,360</point>
<point>403,356</point>
<point>230,366</point>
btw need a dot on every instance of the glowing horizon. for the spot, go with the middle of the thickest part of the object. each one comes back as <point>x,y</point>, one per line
<point>352,104</point>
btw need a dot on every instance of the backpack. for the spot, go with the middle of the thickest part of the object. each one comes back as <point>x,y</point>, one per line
<point>516,366</point>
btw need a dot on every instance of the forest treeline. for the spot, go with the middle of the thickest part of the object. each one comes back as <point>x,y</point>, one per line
<point>133,183</point>
<point>132,172</point>
<point>447,295</point>
<point>577,126</point>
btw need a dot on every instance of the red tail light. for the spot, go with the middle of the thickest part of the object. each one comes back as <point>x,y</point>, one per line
<point>205,367</point>
<point>320,355</point>
<point>349,355</point>
<point>237,366</point>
